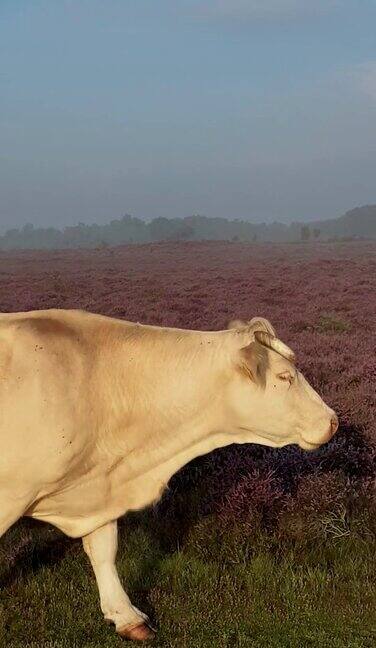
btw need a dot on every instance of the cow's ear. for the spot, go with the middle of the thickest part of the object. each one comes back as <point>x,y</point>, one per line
<point>253,361</point>
<point>236,324</point>
<point>255,324</point>
<point>262,324</point>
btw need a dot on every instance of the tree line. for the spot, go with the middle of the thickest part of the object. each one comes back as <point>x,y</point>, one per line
<point>129,229</point>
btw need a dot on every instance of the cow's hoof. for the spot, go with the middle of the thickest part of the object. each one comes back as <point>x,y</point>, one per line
<point>141,632</point>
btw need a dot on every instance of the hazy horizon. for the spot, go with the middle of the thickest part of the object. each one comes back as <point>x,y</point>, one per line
<point>262,111</point>
<point>80,221</point>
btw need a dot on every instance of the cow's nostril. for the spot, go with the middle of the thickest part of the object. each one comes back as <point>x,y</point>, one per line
<point>334,424</point>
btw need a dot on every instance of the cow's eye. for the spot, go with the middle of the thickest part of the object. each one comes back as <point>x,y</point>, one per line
<point>287,376</point>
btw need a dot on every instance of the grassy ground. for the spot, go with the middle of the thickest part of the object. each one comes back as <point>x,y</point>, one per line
<point>255,594</point>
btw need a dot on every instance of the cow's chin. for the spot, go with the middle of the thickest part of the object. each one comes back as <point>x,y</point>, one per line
<point>309,446</point>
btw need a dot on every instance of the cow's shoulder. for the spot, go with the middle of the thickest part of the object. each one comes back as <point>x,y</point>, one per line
<point>52,325</point>
<point>47,328</point>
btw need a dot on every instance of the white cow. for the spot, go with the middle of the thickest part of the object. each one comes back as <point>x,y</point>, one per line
<point>96,415</point>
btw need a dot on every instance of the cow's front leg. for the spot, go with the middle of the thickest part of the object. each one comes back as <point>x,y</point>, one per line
<point>101,547</point>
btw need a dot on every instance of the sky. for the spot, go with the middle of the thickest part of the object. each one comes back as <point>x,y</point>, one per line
<point>256,109</point>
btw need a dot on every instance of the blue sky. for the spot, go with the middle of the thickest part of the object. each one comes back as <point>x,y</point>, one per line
<point>255,109</point>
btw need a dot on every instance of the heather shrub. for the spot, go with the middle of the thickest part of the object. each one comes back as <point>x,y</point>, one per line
<point>247,510</point>
<point>255,500</point>
<point>362,508</point>
<point>317,509</point>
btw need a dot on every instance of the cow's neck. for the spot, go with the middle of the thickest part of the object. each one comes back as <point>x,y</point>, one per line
<point>169,408</point>
<point>150,469</point>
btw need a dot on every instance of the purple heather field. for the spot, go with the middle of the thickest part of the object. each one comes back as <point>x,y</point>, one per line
<point>321,299</point>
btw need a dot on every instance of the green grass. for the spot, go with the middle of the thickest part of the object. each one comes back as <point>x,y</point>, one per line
<point>263,594</point>
<point>328,323</point>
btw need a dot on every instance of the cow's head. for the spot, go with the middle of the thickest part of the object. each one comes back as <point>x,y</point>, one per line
<point>269,399</point>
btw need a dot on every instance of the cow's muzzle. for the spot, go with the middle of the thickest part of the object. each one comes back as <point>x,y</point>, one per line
<point>333,427</point>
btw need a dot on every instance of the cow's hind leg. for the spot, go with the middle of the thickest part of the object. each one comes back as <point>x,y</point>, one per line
<point>101,547</point>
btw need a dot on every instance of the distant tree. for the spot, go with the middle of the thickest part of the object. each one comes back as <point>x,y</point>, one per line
<point>305,233</point>
<point>185,233</point>
<point>254,238</point>
<point>160,229</point>
<point>316,233</point>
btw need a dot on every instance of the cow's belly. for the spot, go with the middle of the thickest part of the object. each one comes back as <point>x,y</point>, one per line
<point>88,504</point>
